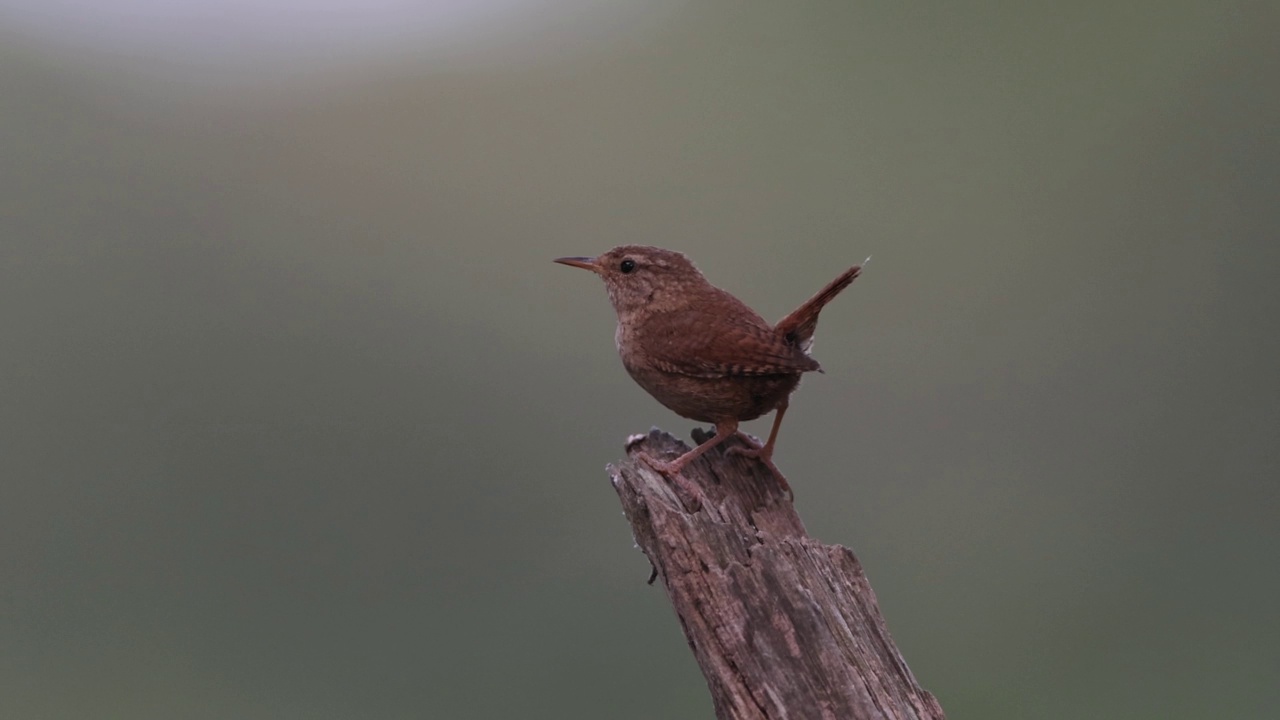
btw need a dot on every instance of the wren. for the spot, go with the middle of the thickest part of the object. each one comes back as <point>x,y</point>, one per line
<point>702,352</point>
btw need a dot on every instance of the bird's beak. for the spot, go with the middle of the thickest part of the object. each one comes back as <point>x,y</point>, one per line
<point>585,263</point>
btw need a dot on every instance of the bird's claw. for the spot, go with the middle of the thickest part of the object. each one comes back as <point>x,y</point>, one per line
<point>767,460</point>
<point>671,471</point>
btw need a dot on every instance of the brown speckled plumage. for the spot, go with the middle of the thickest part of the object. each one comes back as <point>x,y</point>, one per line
<point>699,350</point>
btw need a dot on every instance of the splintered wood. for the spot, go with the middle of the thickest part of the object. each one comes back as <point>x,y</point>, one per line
<point>782,625</point>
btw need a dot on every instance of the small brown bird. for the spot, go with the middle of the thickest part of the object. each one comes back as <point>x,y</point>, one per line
<point>702,352</point>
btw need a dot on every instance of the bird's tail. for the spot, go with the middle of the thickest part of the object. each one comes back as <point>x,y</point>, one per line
<point>798,327</point>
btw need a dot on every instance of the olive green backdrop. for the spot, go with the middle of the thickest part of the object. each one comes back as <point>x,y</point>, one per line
<point>298,420</point>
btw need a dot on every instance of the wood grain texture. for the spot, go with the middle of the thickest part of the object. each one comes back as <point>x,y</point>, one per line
<point>782,625</point>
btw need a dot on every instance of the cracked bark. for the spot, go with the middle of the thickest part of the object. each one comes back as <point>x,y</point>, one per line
<point>782,625</point>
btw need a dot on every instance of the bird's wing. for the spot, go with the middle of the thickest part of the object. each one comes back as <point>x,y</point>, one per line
<point>735,342</point>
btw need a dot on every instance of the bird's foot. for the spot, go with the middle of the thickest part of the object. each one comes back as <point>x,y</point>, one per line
<point>765,456</point>
<point>671,470</point>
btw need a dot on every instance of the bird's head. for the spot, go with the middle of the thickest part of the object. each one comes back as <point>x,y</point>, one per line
<point>640,278</point>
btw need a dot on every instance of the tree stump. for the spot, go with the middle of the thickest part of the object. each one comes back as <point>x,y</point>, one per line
<point>782,625</point>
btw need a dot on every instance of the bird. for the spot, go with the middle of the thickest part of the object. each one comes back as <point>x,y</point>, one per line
<point>703,353</point>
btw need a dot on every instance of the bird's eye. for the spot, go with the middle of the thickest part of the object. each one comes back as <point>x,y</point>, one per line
<point>627,266</point>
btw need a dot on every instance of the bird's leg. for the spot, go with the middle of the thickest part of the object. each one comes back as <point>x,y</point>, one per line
<point>671,469</point>
<point>765,453</point>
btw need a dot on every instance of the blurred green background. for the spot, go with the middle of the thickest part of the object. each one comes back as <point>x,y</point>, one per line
<point>298,420</point>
